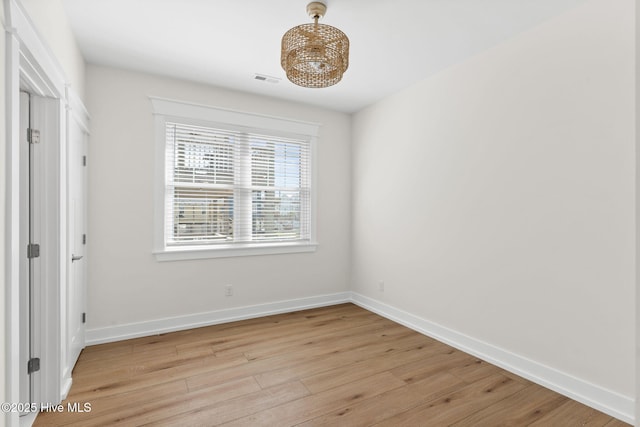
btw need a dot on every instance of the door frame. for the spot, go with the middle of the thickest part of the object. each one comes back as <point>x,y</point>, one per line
<point>30,65</point>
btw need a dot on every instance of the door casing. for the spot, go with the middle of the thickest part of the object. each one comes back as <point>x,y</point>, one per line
<point>30,66</point>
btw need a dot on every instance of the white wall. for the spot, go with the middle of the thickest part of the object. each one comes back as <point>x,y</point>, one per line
<point>51,21</point>
<point>126,284</point>
<point>497,198</point>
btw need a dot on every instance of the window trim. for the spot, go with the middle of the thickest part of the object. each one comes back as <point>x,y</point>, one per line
<point>202,115</point>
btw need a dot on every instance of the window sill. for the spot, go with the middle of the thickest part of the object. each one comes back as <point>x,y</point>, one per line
<point>206,252</point>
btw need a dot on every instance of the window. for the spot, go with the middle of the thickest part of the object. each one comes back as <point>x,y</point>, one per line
<point>231,183</point>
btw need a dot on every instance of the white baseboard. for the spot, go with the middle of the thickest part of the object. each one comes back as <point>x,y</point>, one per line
<point>27,420</point>
<point>66,387</point>
<point>607,401</point>
<point>172,324</point>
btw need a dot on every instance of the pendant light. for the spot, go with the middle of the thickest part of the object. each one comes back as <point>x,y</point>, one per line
<point>315,55</point>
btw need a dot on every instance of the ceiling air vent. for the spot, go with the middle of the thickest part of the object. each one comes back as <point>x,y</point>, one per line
<point>265,78</point>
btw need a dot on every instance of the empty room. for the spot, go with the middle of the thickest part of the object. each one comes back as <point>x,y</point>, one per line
<point>341,213</point>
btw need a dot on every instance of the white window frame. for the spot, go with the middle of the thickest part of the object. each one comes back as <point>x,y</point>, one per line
<point>165,110</point>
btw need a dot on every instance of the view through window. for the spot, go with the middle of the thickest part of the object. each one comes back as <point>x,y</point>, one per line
<point>225,186</point>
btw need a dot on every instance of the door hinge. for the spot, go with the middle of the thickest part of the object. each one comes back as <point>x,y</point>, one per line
<point>33,365</point>
<point>84,317</point>
<point>33,136</point>
<point>33,250</point>
<point>84,160</point>
<point>84,239</point>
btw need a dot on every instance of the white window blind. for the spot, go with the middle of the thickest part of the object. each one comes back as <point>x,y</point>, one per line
<point>227,187</point>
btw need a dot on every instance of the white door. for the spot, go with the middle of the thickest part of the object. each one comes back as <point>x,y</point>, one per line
<point>76,314</point>
<point>30,261</point>
<point>25,308</point>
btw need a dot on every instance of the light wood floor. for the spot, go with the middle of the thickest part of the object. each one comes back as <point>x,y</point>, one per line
<point>338,365</point>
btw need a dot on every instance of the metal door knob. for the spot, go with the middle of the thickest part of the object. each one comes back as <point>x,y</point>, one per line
<point>75,257</point>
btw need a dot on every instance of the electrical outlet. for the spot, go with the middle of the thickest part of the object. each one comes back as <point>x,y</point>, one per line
<point>228,290</point>
<point>381,286</point>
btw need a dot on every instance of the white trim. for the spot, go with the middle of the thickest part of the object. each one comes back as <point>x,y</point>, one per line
<point>66,387</point>
<point>160,147</point>
<point>186,253</point>
<point>607,401</point>
<point>78,112</point>
<point>12,233</point>
<point>211,114</point>
<point>28,420</point>
<point>171,324</point>
<point>32,47</point>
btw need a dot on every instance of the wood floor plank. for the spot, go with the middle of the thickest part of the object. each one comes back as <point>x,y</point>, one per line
<point>439,362</point>
<point>378,363</point>
<point>353,351</point>
<point>288,366</point>
<point>251,328</point>
<point>140,364</point>
<point>572,413</point>
<point>261,343</point>
<point>379,408</point>
<point>260,367</point>
<point>88,389</point>
<point>460,404</point>
<point>474,369</point>
<point>317,338</point>
<point>519,409</point>
<point>112,404</point>
<point>160,409</point>
<point>338,365</point>
<point>238,408</point>
<point>271,345</point>
<point>98,364</point>
<point>105,353</point>
<point>312,406</point>
<point>616,423</point>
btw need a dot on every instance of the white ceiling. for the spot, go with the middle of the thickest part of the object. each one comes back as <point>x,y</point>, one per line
<point>394,43</point>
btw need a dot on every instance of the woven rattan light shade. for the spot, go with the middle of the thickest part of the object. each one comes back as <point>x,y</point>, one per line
<point>315,55</point>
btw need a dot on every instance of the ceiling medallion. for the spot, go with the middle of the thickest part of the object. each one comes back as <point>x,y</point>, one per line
<point>315,55</point>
